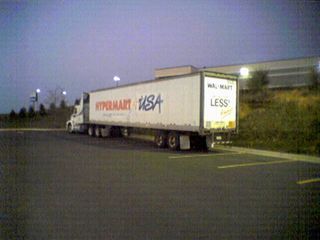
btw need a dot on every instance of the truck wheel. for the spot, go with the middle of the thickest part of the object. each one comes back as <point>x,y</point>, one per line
<point>97,131</point>
<point>160,139</point>
<point>69,128</point>
<point>90,131</point>
<point>125,132</point>
<point>173,141</point>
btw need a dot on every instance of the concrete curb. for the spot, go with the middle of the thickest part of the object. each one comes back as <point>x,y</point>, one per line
<point>266,153</point>
<point>31,129</point>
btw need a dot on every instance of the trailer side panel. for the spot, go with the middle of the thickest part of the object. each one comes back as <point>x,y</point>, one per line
<point>172,104</point>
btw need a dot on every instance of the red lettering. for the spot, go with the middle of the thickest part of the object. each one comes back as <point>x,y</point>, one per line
<point>114,105</point>
<point>120,105</point>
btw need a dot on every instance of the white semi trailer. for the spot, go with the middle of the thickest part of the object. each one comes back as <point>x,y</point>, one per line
<point>177,110</point>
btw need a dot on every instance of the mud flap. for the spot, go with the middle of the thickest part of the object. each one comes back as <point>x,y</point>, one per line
<point>105,132</point>
<point>210,141</point>
<point>218,138</point>
<point>184,142</point>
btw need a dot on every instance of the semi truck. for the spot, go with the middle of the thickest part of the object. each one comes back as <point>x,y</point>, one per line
<point>179,111</point>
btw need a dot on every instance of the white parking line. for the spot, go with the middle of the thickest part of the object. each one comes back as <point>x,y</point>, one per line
<point>202,155</point>
<point>308,181</point>
<point>31,129</point>
<point>255,164</point>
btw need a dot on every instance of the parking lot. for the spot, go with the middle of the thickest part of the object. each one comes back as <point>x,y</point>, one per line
<point>60,186</point>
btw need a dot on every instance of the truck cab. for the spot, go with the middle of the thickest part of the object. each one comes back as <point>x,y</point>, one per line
<point>80,115</point>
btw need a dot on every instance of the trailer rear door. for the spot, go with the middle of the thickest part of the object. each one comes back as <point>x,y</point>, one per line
<point>220,102</point>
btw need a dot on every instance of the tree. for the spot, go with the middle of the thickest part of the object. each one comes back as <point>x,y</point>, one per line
<point>258,81</point>
<point>23,112</point>
<point>258,95</point>
<point>52,106</point>
<point>31,112</point>
<point>55,96</point>
<point>63,104</point>
<point>314,78</point>
<point>12,115</point>
<point>42,110</point>
<point>77,101</point>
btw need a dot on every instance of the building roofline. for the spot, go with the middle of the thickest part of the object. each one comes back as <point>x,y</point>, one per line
<point>176,67</point>
<point>269,61</point>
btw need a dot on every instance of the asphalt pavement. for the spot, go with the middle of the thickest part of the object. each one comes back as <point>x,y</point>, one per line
<point>56,185</point>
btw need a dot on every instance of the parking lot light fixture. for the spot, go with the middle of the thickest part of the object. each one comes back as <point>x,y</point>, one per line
<point>244,72</point>
<point>116,79</point>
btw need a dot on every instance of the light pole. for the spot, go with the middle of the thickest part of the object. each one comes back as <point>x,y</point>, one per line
<point>37,98</point>
<point>59,94</point>
<point>34,98</point>
<point>116,79</point>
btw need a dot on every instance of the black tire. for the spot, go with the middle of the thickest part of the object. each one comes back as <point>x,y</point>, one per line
<point>160,139</point>
<point>97,131</point>
<point>91,131</point>
<point>69,128</point>
<point>173,141</point>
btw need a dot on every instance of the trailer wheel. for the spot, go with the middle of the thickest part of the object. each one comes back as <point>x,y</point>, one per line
<point>173,141</point>
<point>161,139</point>
<point>97,131</point>
<point>90,131</point>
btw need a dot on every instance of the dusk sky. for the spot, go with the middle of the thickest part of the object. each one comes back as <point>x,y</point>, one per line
<point>80,45</point>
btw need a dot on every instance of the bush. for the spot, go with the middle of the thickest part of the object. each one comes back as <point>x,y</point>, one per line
<point>31,112</point>
<point>256,99</point>
<point>288,123</point>
<point>12,115</point>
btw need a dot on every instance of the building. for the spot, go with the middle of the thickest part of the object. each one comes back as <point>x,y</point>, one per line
<point>174,71</point>
<point>281,73</point>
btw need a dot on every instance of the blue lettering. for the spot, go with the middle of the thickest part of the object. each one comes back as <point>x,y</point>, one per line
<point>150,102</point>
